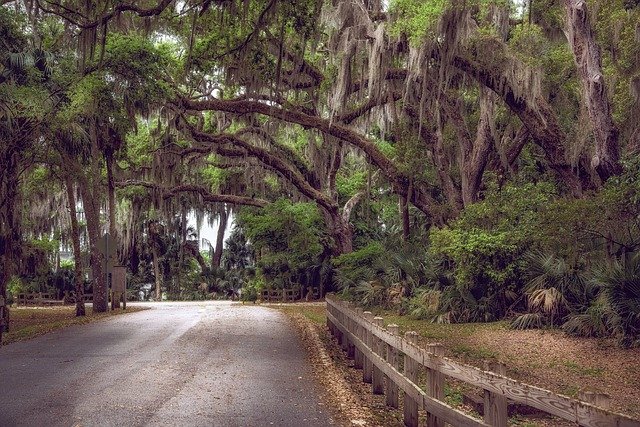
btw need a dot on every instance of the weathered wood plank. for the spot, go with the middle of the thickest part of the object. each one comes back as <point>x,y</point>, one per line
<point>495,405</point>
<point>392,392</point>
<point>435,386</point>
<point>376,344</point>
<point>367,371</point>
<point>411,373</point>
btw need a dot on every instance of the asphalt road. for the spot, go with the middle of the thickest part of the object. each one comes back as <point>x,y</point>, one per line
<point>178,364</point>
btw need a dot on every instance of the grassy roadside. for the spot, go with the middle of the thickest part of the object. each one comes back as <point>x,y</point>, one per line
<point>29,322</point>
<point>315,312</point>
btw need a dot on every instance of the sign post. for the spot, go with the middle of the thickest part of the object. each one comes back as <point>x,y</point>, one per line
<point>119,286</point>
<point>107,247</point>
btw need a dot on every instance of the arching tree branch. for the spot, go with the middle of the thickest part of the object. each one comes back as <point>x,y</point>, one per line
<point>421,197</point>
<point>206,195</point>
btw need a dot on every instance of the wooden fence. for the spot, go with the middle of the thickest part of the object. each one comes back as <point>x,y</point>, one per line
<point>283,295</point>
<point>38,298</point>
<point>380,352</point>
<point>45,298</point>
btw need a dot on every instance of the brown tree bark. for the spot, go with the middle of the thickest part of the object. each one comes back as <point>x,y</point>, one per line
<point>77,253</point>
<point>91,203</point>
<point>207,196</point>
<point>341,232</point>
<point>421,197</point>
<point>111,190</point>
<point>10,224</point>
<point>156,272</point>
<point>536,115</point>
<point>434,141</point>
<point>91,191</point>
<point>222,228</point>
<point>474,153</point>
<point>586,53</point>
<point>154,236</point>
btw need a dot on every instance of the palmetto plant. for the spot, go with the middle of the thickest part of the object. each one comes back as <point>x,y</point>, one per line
<point>620,283</point>
<point>425,304</point>
<point>555,290</point>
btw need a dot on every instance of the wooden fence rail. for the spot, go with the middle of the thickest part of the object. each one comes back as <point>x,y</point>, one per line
<point>46,298</point>
<point>378,352</point>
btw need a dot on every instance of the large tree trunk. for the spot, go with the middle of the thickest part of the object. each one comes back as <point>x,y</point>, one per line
<point>475,154</point>
<point>156,272</point>
<point>340,226</point>
<point>222,228</point>
<point>586,52</point>
<point>111,189</point>
<point>77,254</point>
<point>91,203</point>
<point>10,226</point>
<point>155,230</point>
<point>434,142</point>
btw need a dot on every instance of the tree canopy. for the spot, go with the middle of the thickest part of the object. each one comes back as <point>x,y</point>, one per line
<point>338,133</point>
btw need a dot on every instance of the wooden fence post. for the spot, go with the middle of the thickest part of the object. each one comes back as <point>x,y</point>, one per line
<point>435,384</point>
<point>350,325</point>
<point>343,322</point>
<point>411,372</point>
<point>329,324</point>
<point>601,400</point>
<point>495,405</point>
<point>358,362</point>
<point>367,372</point>
<point>376,347</point>
<point>392,359</point>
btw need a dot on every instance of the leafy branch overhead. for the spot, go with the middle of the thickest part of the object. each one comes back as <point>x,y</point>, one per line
<point>461,135</point>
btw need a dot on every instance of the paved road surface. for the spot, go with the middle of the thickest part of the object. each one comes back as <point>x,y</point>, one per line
<point>179,364</point>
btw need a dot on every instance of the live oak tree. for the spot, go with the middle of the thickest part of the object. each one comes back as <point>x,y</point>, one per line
<point>207,106</point>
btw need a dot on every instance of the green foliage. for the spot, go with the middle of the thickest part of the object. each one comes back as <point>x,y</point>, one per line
<point>291,237</point>
<point>252,289</point>
<point>17,286</point>
<point>359,265</point>
<point>425,304</point>
<point>529,321</point>
<point>45,244</point>
<point>417,18</point>
<point>349,184</point>
<point>140,146</point>
<point>529,43</point>
<point>485,247</point>
<point>621,285</point>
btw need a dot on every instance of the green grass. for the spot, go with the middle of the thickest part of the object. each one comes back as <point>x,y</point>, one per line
<point>453,337</point>
<point>520,422</point>
<point>453,395</point>
<point>478,353</point>
<point>315,313</point>
<point>583,370</point>
<point>571,391</point>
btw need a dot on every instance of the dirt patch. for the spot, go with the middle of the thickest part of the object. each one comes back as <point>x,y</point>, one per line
<point>29,322</point>
<point>566,365</point>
